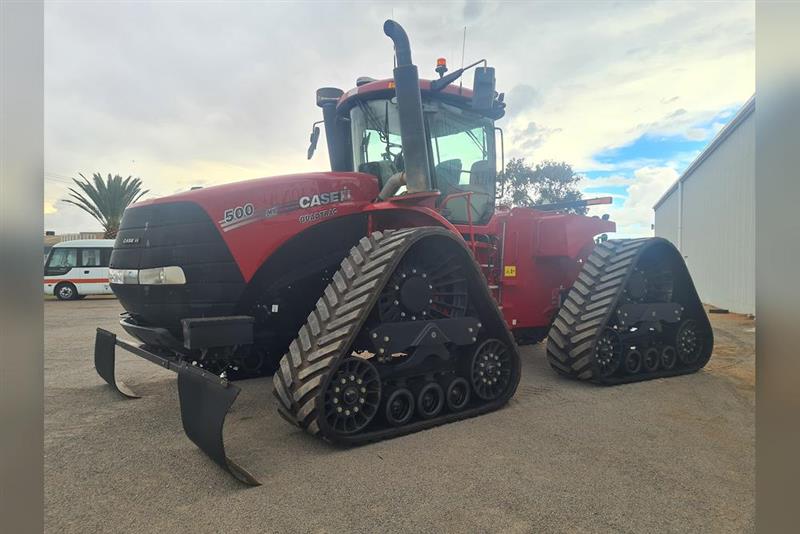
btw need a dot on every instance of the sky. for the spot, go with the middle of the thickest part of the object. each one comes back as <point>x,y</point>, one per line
<point>187,94</point>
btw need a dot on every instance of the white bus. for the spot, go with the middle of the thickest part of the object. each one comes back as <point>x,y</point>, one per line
<point>74,269</point>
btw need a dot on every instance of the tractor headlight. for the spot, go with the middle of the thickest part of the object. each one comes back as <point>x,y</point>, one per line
<point>156,276</point>
<point>123,276</point>
<point>162,276</point>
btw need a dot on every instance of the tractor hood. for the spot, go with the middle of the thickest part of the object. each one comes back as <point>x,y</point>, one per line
<point>219,236</point>
<point>272,209</point>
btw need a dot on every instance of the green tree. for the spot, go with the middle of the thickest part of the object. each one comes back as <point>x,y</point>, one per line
<point>105,200</point>
<point>545,183</point>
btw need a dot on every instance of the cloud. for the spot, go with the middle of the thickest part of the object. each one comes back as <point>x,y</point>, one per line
<point>697,134</point>
<point>218,92</point>
<point>635,215</point>
<point>533,135</point>
<point>616,180</point>
<point>601,97</point>
<point>49,208</point>
<point>522,98</point>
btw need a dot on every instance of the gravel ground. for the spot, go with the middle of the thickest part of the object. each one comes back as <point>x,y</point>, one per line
<point>673,455</point>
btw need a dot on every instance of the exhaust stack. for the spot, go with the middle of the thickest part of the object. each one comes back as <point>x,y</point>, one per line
<point>409,102</point>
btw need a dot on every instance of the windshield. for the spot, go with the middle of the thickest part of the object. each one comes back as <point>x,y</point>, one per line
<point>461,146</point>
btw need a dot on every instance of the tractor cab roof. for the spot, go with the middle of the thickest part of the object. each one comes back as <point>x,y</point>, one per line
<point>368,90</point>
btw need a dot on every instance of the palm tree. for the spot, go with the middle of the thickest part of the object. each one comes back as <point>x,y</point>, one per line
<point>106,200</point>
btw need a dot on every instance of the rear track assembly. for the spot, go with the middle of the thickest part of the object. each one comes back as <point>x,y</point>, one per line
<point>633,314</point>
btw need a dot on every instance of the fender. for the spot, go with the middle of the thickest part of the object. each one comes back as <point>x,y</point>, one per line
<point>391,215</point>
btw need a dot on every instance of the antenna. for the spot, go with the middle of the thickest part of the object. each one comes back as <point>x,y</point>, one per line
<point>463,47</point>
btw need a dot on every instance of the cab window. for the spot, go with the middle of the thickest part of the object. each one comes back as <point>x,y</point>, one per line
<point>375,130</point>
<point>91,257</point>
<point>462,149</point>
<point>63,258</point>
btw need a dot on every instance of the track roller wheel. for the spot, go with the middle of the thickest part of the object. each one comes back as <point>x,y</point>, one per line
<point>668,357</point>
<point>430,400</point>
<point>457,394</point>
<point>688,342</point>
<point>352,396</point>
<point>651,359</point>
<point>399,407</point>
<point>608,352</point>
<point>633,362</point>
<point>491,369</point>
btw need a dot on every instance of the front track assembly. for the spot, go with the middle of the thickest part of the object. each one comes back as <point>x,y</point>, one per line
<point>633,314</point>
<point>405,337</point>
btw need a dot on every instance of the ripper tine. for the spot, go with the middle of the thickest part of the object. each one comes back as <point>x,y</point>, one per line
<point>205,398</point>
<point>204,405</point>
<point>105,344</point>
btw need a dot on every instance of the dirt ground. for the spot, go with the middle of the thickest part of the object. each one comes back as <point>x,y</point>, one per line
<point>674,455</point>
<point>734,350</point>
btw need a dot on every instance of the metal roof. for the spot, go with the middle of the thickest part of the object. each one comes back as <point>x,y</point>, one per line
<point>746,110</point>
<point>102,243</point>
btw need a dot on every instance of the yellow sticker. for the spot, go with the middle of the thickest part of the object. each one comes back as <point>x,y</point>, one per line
<point>510,271</point>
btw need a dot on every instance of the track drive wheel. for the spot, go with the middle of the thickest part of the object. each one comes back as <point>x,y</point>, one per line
<point>608,352</point>
<point>491,371</point>
<point>688,342</point>
<point>352,396</point>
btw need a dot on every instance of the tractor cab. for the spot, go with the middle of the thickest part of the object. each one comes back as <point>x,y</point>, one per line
<point>461,148</point>
<point>450,141</point>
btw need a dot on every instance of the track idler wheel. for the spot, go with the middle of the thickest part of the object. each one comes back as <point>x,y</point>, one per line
<point>669,357</point>
<point>457,394</point>
<point>491,372</point>
<point>688,342</point>
<point>352,396</point>
<point>633,362</point>
<point>399,407</point>
<point>651,359</point>
<point>608,352</point>
<point>430,400</point>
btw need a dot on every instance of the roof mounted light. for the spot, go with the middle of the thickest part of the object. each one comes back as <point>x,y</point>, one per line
<point>441,66</point>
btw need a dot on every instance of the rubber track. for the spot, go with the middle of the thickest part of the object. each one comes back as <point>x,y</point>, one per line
<point>334,324</point>
<point>587,309</point>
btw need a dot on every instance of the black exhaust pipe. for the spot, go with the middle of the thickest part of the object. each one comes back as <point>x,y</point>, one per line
<point>409,102</point>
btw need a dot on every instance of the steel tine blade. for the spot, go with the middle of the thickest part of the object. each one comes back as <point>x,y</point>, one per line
<point>204,405</point>
<point>105,344</point>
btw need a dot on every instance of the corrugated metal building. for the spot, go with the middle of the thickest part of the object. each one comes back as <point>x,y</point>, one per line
<point>709,213</point>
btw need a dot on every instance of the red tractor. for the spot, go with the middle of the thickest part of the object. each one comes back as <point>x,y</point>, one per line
<point>390,295</point>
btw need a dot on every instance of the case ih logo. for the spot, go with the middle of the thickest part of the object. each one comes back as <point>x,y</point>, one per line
<point>131,240</point>
<point>324,198</point>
